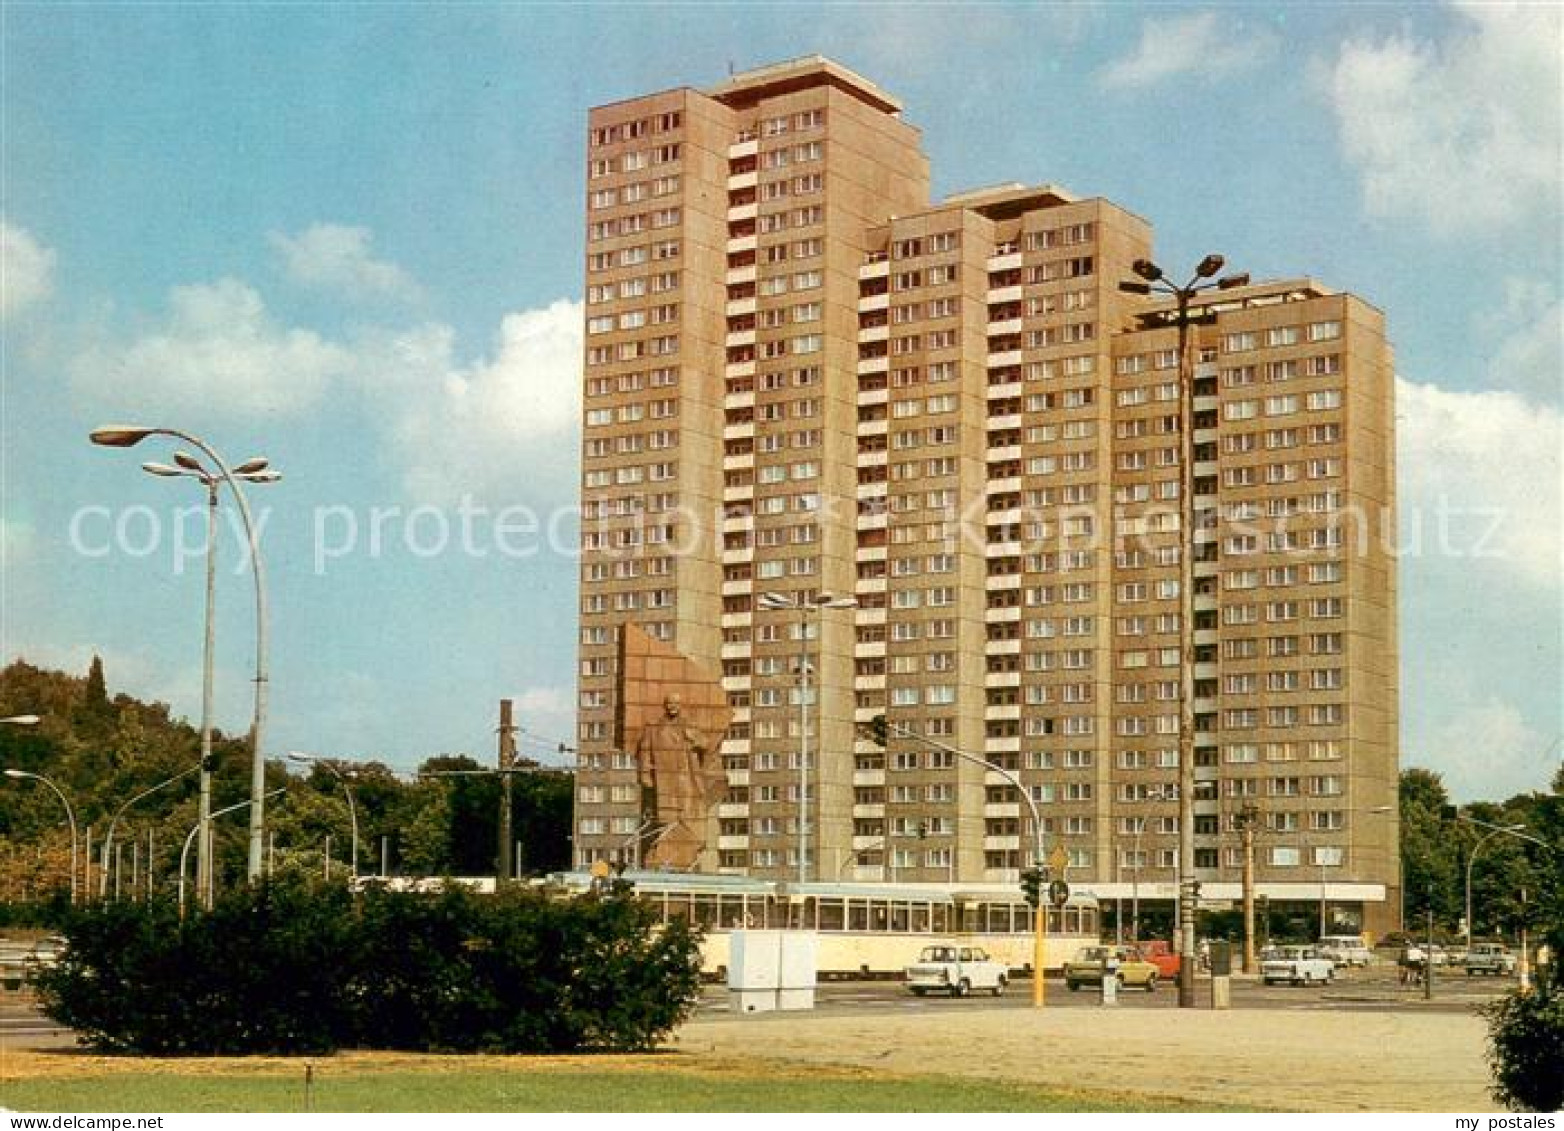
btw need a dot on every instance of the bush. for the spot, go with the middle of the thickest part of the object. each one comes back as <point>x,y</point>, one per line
<point>1526,1046</point>
<point>291,967</point>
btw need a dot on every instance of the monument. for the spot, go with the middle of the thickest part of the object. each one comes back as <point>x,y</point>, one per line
<point>672,715</point>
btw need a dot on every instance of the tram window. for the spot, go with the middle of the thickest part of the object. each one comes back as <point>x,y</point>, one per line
<point>1072,920</point>
<point>676,907</point>
<point>1054,926</point>
<point>705,910</point>
<point>941,919</point>
<point>857,915</point>
<point>879,915</point>
<point>899,915</point>
<point>730,910</point>
<point>998,918</point>
<point>920,918</point>
<point>831,913</point>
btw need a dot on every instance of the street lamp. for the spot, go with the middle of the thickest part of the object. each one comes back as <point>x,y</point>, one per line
<point>324,763</point>
<point>1040,916</point>
<point>252,471</point>
<point>805,605</point>
<point>184,853</point>
<point>1153,280</point>
<point>108,840</point>
<point>70,817</point>
<point>1494,830</point>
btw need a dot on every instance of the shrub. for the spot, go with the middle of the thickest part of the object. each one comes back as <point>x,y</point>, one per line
<point>1526,1046</point>
<point>290,967</point>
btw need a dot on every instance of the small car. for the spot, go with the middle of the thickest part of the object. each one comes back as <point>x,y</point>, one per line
<point>1299,965</point>
<point>1489,958</point>
<point>1345,950</point>
<point>1129,967</point>
<point>956,970</point>
<point>1160,953</point>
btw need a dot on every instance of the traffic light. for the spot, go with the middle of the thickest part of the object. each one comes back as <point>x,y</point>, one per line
<point>1032,886</point>
<point>879,731</point>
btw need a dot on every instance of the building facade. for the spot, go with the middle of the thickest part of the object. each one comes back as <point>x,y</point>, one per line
<point>802,377</point>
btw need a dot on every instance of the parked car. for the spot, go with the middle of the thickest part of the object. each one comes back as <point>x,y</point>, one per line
<point>1489,958</point>
<point>1345,950</point>
<point>1129,967</point>
<point>956,970</point>
<point>1300,965</point>
<point>1160,953</point>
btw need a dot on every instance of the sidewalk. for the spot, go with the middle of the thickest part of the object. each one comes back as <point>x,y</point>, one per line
<point>1291,1060</point>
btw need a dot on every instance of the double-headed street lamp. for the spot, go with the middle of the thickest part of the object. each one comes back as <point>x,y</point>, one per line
<point>342,779</point>
<point>1152,280</point>
<point>251,471</point>
<point>1516,831</point>
<point>805,605</point>
<point>70,814</point>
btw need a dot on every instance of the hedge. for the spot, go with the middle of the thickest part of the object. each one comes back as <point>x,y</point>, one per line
<point>295,967</point>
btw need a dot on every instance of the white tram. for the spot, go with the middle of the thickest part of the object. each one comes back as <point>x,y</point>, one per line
<point>864,929</point>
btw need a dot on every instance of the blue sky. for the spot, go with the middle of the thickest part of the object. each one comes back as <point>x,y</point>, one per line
<point>350,238</point>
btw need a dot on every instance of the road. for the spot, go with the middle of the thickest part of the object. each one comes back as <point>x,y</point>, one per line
<point>1376,989</point>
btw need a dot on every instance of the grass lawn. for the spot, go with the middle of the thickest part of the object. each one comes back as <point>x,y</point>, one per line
<point>534,1088</point>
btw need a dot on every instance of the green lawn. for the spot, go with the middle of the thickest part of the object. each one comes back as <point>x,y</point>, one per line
<point>529,1089</point>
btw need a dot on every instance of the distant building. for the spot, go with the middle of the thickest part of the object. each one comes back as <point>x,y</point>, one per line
<point>803,377</point>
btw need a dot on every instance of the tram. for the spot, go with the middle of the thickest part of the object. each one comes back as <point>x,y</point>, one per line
<point>864,929</point>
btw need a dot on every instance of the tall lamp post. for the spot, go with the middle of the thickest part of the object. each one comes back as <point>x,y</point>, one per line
<point>805,605</point>
<point>1152,281</point>
<point>886,728</point>
<point>251,471</point>
<point>184,854</point>
<point>1494,830</point>
<point>70,816</point>
<point>347,789</point>
<point>108,840</point>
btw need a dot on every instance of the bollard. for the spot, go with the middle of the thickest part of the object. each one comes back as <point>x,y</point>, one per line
<point>1221,991</point>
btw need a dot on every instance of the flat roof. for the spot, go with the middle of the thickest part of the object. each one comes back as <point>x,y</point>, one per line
<point>799,74</point>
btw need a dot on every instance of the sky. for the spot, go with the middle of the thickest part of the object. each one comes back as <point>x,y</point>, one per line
<point>349,239</point>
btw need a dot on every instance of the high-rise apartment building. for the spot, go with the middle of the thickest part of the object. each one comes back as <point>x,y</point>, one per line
<point>803,377</point>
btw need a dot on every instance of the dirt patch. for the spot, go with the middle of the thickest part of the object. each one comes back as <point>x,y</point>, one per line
<point>1294,1060</point>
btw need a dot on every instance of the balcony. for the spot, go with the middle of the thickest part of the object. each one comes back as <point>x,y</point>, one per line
<point>874,334</point>
<point>745,146</point>
<point>868,365</point>
<point>738,182</point>
<point>740,307</point>
<point>739,213</point>
<point>1005,258</point>
<point>868,304</point>
<point>1004,358</point>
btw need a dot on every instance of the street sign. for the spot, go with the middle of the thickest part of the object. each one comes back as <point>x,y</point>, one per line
<point>1058,893</point>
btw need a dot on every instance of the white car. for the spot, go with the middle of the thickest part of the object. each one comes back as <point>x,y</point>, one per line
<point>1345,950</point>
<point>1300,965</point>
<point>956,970</point>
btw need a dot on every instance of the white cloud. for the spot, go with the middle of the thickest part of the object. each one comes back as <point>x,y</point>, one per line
<point>338,258</point>
<point>1480,481</point>
<point>502,429</point>
<point>1485,749</point>
<point>1202,44</point>
<point>1463,134</point>
<point>26,269</point>
<point>219,348</point>
<point>1529,328</point>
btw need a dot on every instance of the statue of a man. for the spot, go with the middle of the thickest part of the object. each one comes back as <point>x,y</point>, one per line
<point>681,775</point>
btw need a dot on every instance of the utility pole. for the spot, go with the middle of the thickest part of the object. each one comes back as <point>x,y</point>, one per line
<point>1248,822</point>
<point>507,762</point>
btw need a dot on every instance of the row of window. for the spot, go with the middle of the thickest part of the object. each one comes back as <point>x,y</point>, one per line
<point>616,226</point>
<point>634,160</point>
<point>638,287</point>
<point>637,128</point>
<point>634,193</point>
<point>633,256</point>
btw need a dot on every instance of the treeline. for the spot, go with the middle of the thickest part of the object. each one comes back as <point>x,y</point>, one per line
<point>1516,880</point>
<point>101,750</point>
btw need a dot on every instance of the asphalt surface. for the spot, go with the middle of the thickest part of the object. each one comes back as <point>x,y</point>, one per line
<point>1376,989</point>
